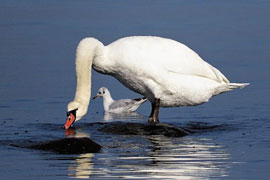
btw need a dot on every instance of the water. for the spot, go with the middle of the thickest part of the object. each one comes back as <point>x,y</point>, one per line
<point>37,79</point>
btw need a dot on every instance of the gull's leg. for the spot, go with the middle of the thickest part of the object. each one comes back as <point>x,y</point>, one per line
<point>153,118</point>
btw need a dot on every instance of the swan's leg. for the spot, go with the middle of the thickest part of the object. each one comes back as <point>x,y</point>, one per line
<point>153,118</point>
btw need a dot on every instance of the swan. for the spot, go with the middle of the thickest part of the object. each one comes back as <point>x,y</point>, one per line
<point>120,106</point>
<point>165,71</point>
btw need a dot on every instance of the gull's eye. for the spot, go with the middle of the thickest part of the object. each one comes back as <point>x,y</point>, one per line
<point>103,92</point>
<point>99,92</point>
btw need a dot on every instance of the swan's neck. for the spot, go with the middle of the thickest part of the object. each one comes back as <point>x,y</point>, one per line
<point>107,101</point>
<point>85,54</point>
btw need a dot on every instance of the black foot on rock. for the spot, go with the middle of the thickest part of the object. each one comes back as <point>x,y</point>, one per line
<point>151,120</point>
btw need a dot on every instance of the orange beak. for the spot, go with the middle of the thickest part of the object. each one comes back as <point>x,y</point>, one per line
<point>70,120</point>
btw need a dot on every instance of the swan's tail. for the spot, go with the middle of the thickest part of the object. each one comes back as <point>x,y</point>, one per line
<point>228,87</point>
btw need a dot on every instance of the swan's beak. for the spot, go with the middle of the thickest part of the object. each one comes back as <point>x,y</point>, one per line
<point>70,120</point>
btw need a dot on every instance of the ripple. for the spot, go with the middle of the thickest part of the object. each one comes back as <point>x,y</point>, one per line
<point>4,106</point>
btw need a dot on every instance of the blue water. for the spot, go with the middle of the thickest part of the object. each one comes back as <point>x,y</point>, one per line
<point>37,79</point>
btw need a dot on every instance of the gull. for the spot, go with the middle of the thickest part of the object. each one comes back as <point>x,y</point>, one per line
<point>119,106</point>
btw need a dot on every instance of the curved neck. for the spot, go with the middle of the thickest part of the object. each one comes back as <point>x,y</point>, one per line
<point>84,59</point>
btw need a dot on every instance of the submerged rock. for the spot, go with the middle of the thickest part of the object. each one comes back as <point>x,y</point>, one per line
<point>196,127</point>
<point>69,146</point>
<point>143,129</point>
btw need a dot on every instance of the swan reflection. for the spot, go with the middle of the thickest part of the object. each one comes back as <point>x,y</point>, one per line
<point>179,159</point>
<point>152,157</point>
<point>194,159</point>
<point>82,165</point>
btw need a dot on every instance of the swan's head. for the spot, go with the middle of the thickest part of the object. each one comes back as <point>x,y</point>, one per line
<point>75,111</point>
<point>101,92</point>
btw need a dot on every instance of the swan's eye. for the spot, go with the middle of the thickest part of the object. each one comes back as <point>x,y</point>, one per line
<point>69,117</point>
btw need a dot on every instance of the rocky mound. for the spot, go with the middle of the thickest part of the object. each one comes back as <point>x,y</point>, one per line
<point>69,146</point>
<point>143,129</point>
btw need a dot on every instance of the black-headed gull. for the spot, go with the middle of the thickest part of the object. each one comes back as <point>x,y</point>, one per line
<point>120,106</point>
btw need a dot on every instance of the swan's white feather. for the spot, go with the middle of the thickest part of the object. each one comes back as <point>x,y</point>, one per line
<point>152,54</point>
<point>157,68</point>
<point>163,68</point>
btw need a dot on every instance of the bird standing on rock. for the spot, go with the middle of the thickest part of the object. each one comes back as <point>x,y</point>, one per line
<point>166,72</point>
<point>120,106</point>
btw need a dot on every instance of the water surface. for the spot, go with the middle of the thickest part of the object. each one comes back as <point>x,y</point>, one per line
<point>37,79</point>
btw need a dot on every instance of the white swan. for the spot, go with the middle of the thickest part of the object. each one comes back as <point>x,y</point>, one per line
<point>165,71</point>
<point>120,106</point>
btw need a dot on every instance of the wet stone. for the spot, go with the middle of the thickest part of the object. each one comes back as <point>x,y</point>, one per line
<point>196,127</point>
<point>69,146</point>
<point>143,129</point>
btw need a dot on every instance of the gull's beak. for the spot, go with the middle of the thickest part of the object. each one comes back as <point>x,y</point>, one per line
<point>96,96</point>
<point>70,120</point>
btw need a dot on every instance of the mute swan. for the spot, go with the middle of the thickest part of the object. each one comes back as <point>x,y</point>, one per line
<point>120,106</point>
<point>165,71</point>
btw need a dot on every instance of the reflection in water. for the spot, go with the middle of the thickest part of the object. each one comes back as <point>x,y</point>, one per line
<point>122,116</point>
<point>189,160</point>
<point>167,158</point>
<point>82,166</point>
<point>72,132</point>
<point>151,157</point>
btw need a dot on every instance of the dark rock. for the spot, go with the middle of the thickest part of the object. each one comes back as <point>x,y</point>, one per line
<point>143,129</point>
<point>201,127</point>
<point>69,146</point>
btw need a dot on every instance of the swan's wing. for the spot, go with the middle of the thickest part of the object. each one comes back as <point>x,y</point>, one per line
<point>194,65</point>
<point>152,56</point>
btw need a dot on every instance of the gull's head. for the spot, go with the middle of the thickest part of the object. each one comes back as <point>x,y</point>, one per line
<point>101,92</point>
<point>75,111</point>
